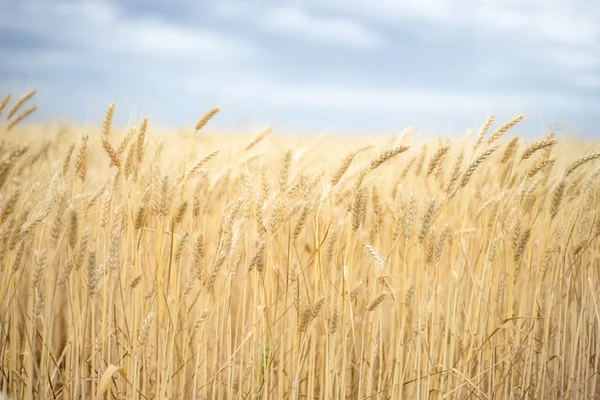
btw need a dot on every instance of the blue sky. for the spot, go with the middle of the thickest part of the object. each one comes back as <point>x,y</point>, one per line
<point>309,65</point>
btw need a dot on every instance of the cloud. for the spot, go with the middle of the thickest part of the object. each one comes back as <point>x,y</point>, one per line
<point>543,26</point>
<point>588,81</point>
<point>574,58</point>
<point>99,26</point>
<point>96,12</point>
<point>567,22</point>
<point>296,21</point>
<point>336,64</point>
<point>161,39</point>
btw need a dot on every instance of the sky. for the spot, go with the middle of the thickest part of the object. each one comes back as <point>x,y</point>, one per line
<point>352,66</point>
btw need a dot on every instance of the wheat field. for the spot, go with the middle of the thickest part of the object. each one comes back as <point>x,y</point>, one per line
<point>140,264</point>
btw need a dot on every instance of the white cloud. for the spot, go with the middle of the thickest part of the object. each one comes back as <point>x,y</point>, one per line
<point>573,22</point>
<point>99,26</point>
<point>535,54</point>
<point>542,26</point>
<point>96,12</point>
<point>561,33</point>
<point>588,81</point>
<point>298,21</point>
<point>574,58</point>
<point>295,21</point>
<point>154,37</point>
<point>26,61</point>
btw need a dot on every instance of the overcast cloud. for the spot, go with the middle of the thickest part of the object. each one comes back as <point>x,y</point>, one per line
<point>347,66</point>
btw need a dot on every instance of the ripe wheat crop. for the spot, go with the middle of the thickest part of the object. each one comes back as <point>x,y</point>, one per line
<point>136,264</point>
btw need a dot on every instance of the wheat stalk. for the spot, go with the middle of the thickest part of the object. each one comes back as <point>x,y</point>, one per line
<point>17,105</point>
<point>205,118</point>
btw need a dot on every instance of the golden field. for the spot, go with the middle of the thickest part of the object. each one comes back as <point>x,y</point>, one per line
<point>139,264</point>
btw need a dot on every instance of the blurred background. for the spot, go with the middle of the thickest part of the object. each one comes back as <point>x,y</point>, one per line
<point>350,66</point>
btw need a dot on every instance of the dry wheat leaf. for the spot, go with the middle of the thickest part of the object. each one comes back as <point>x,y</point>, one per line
<point>106,377</point>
